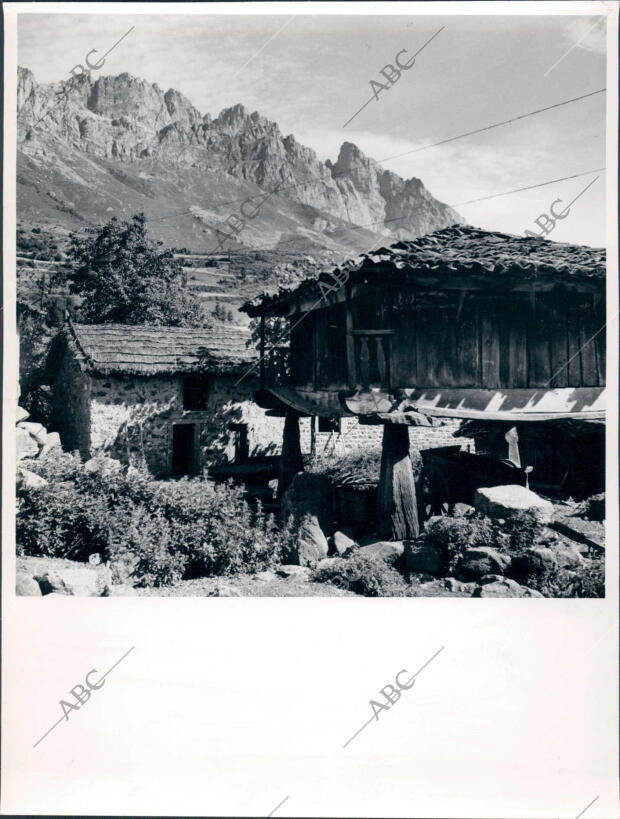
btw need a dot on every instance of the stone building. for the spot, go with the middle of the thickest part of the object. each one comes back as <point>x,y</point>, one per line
<point>171,397</point>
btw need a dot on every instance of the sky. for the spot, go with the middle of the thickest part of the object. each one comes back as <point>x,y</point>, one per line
<point>311,74</point>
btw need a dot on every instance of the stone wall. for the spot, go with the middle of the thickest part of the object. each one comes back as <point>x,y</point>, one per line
<point>70,415</point>
<point>359,436</point>
<point>132,419</point>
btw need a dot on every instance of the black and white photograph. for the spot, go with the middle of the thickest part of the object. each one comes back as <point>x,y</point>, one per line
<point>310,300</point>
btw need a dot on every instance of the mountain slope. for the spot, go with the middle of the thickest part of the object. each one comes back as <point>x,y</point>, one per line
<point>90,150</point>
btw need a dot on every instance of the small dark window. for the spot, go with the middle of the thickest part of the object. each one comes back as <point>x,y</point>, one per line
<point>329,424</point>
<point>196,388</point>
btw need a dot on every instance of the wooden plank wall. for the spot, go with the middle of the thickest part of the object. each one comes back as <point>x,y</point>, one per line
<point>500,340</point>
<point>467,338</point>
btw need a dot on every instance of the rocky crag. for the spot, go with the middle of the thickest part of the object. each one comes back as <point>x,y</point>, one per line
<point>92,148</point>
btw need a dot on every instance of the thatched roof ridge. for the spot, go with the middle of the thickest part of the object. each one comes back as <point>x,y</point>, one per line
<point>459,250</point>
<point>109,349</point>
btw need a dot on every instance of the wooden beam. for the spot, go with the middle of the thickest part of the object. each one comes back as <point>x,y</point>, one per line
<point>397,513</point>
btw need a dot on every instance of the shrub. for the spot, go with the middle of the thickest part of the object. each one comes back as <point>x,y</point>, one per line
<point>453,536</point>
<point>162,531</point>
<point>217,530</point>
<point>361,574</point>
<point>146,547</point>
<point>519,531</point>
<point>58,521</point>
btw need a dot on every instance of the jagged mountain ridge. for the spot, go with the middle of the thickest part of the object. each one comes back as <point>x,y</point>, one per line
<point>118,144</point>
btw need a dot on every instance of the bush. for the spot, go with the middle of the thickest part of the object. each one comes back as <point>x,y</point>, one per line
<point>217,530</point>
<point>361,574</point>
<point>59,521</point>
<point>146,542</point>
<point>454,535</point>
<point>162,532</point>
<point>519,531</point>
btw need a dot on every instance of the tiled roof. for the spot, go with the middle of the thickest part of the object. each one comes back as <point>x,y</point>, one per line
<point>461,250</point>
<point>140,350</point>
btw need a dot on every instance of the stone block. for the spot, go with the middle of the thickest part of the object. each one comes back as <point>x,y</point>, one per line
<point>504,501</point>
<point>21,415</point>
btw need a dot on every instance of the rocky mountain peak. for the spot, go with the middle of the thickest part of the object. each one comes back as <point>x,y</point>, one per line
<point>157,144</point>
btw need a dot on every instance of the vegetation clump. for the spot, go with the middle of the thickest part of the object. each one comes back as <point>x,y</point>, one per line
<point>162,531</point>
<point>368,576</point>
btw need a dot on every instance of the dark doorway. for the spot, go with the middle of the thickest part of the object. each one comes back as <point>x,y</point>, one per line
<point>184,449</point>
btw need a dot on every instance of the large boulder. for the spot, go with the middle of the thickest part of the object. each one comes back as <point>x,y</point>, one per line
<point>21,415</point>
<point>504,501</point>
<point>482,560</point>
<point>27,446</point>
<point>389,550</point>
<point>537,560</point>
<point>26,586</point>
<point>419,556</point>
<point>311,544</point>
<point>77,582</point>
<point>505,588</point>
<point>29,480</point>
<point>343,541</point>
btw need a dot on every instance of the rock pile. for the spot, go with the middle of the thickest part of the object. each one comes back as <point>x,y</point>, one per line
<point>32,441</point>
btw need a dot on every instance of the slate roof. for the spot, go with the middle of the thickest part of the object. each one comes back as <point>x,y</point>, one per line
<point>459,250</point>
<point>110,349</point>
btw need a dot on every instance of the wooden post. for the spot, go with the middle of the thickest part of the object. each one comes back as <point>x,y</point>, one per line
<point>397,512</point>
<point>313,420</point>
<point>291,461</point>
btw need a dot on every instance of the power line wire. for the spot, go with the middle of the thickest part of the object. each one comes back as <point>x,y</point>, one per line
<point>527,188</point>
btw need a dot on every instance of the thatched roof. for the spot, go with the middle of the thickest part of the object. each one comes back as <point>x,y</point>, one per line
<point>455,251</point>
<point>110,349</point>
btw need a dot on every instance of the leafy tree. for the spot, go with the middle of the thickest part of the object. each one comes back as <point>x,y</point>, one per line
<point>126,278</point>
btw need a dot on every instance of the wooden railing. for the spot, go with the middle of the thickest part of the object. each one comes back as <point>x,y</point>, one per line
<point>372,353</point>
